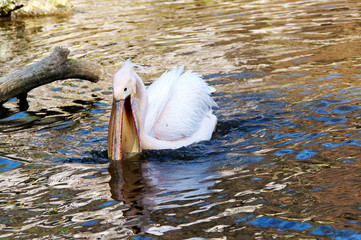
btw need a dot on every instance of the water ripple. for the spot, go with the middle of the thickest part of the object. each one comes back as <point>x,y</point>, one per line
<point>282,163</point>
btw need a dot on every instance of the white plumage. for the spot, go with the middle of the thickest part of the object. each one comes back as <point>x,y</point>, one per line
<point>177,104</point>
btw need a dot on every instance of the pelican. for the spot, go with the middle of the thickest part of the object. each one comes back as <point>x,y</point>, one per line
<point>173,112</point>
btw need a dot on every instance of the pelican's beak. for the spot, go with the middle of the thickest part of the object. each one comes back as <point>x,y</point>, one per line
<point>123,132</point>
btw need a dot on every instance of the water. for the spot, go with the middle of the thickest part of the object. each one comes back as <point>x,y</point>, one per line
<point>283,162</point>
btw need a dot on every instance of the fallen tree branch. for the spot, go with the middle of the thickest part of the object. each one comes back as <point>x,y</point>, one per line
<point>55,67</point>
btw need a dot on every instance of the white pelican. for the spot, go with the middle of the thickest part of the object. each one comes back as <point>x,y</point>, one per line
<point>174,111</point>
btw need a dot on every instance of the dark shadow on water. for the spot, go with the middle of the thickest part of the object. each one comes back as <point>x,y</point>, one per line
<point>4,112</point>
<point>96,157</point>
<point>195,151</point>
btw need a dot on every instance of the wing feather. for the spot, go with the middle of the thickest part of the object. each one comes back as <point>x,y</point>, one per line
<point>177,104</point>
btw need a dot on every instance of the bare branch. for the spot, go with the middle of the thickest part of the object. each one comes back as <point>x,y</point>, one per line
<point>55,67</point>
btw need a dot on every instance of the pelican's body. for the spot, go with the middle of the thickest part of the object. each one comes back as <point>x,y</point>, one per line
<point>175,111</point>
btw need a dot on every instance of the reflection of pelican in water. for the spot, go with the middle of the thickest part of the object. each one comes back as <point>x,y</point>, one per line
<point>151,185</point>
<point>175,111</point>
<point>126,181</point>
<point>127,184</point>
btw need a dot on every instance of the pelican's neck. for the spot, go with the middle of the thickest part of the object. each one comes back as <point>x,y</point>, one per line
<point>142,102</point>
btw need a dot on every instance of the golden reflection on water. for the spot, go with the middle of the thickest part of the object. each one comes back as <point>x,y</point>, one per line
<point>287,144</point>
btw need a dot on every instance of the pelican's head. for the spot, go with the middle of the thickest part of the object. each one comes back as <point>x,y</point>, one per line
<point>123,132</point>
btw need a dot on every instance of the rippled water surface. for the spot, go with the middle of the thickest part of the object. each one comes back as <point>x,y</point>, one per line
<point>284,161</point>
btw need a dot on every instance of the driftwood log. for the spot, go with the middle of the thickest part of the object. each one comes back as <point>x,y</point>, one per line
<point>55,67</point>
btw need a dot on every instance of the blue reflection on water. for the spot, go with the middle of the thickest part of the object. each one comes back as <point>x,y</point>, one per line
<point>56,195</point>
<point>6,164</point>
<point>283,152</point>
<point>327,120</point>
<point>284,225</point>
<point>56,89</point>
<point>327,230</point>
<point>346,108</point>
<point>18,115</point>
<point>62,125</point>
<point>308,137</point>
<point>107,204</point>
<point>354,142</point>
<point>304,154</point>
<point>89,223</point>
<point>97,110</point>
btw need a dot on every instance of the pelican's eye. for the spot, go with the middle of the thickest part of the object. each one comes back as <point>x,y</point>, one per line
<point>125,89</point>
